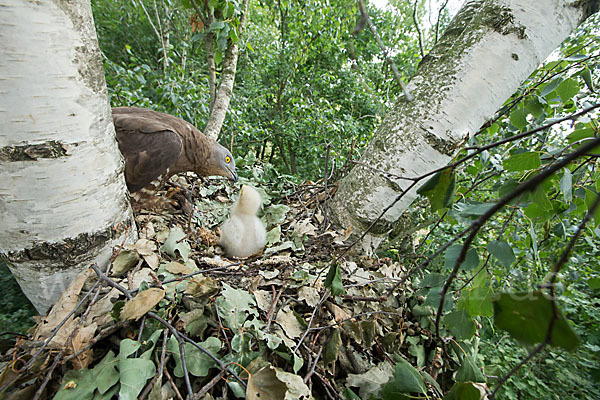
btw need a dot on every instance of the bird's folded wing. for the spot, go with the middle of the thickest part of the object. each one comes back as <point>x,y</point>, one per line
<point>148,152</point>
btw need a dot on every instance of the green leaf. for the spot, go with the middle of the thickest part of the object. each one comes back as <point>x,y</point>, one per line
<point>452,253</point>
<point>440,189</point>
<point>134,372</point>
<point>176,245</point>
<point>197,362</point>
<point>468,371</point>
<point>567,89</point>
<point>349,394</point>
<point>460,324</point>
<point>464,391</point>
<point>526,316</point>
<point>82,383</point>
<point>275,214</point>
<point>472,210</point>
<point>566,185</point>
<point>594,283</point>
<point>549,87</point>
<point>540,198</point>
<point>434,297</point>
<point>217,25</point>
<point>432,280</point>
<point>371,382</point>
<point>332,349</point>
<point>518,118</point>
<point>590,198</point>
<point>77,385</point>
<point>477,301</point>
<point>580,134</point>
<point>502,251</point>
<point>522,162</point>
<point>235,306</point>
<point>106,372</point>
<point>586,74</point>
<point>534,107</point>
<point>406,379</point>
<point>333,281</point>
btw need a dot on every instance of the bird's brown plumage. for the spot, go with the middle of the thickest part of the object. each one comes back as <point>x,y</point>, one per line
<point>157,145</point>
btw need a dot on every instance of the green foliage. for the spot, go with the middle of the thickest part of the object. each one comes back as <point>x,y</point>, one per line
<point>16,311</point>
<point>514,252</point>
<point>333,281</point>
<point>406,379</point>
<point>527,317</point>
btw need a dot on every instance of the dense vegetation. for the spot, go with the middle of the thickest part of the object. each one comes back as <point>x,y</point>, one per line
<point>298,90</point>
<point>301,94</point>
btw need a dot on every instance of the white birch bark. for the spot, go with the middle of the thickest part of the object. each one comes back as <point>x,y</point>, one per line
<point>489,48</point>
<point>63,202</point>
<point>223,95</point>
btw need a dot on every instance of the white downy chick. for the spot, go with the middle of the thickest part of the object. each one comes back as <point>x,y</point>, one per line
<point>244,234</point>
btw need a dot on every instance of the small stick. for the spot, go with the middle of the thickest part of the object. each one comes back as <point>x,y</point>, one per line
<point>272,308</point>
<point>177,393</point>
<point>210,384</point>
<point>221,327</point>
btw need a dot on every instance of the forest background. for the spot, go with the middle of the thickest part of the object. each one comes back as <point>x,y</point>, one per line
<point>300,93</point>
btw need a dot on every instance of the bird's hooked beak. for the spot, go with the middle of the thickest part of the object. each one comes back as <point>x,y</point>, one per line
<point>234,176</point>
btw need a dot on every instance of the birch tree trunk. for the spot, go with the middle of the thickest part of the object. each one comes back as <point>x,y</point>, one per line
<point>223,94</point>
<point>488,50</point>
<point>63,202</point>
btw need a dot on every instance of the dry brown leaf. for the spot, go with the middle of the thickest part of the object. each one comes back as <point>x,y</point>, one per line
<point>338,314</point>
<point>141,304</point>
<point>81,339</point>
<point>201,286</point>
<point>67,302</point>
<point>305,228</point>
<point>175,267</point>
<point>290,324</point>
<point>310,295</point>
<point>208,237</point>
<point>152,260</point>
<point>263,299</point>
<point>144,247</point>
<point>100,310</point>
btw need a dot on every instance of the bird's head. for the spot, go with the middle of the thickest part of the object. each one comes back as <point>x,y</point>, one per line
<point>220,162</point>
<point>249,201</point>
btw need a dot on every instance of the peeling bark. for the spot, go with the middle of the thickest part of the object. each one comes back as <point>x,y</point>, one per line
<point>486,52</point>
<point>63,203</point>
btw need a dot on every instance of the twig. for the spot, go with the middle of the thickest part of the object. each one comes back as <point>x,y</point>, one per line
<point>174,331</point>
<point>172,382</point>
<point>271,312</point>
<point>314,365</point>
<point>390,61</point>
<point>189,221</point>
<point>419,34</point>
<point>49,339</point>
<point>437,25</point>
<point>221,327</point>
<point>312,317</point>
<point>555,313</point>
<point>324,225</point>
<point>210,385</point>
<point>159,370</point>
<point>528,185</point>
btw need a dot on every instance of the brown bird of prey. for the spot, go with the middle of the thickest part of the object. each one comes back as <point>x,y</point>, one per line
<point>157,146</point>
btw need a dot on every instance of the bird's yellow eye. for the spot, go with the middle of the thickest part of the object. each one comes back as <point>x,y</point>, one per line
<point>227,159</point>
